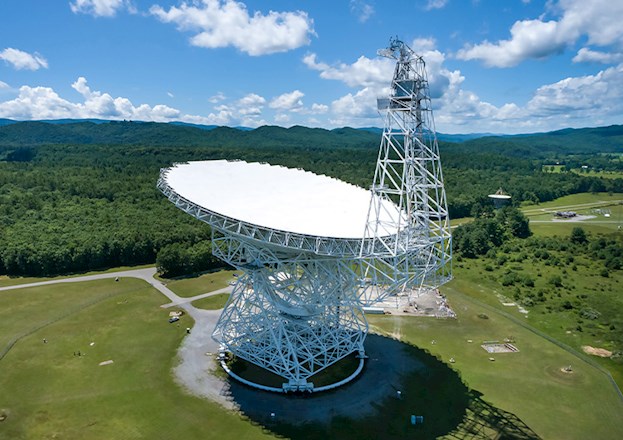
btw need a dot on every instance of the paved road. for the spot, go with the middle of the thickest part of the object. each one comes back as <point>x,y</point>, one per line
<point>147,274</point>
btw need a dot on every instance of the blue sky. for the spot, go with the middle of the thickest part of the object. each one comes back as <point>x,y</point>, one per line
<point>503,66</point>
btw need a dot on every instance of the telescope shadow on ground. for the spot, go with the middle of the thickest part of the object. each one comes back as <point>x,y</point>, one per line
<point>399,381</point>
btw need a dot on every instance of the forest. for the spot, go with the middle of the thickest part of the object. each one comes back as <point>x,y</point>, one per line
<point>81,196</point>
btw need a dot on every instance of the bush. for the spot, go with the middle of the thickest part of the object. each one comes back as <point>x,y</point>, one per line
<point>578,236</point>
<point>527,281</point>
<point>555,281</point>
<point>589,313</point>
<point>510,279</point>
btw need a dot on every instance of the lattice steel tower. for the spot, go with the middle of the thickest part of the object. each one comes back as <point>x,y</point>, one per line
<point>408,172</point>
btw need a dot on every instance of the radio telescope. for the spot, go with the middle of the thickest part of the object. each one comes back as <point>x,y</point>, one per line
<point>313,250</point>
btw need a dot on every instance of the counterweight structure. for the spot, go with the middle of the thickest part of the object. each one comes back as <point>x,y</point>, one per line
<point>408,173</point>
<point>313,250</point>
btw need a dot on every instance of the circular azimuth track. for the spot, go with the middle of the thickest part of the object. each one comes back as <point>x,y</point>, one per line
<point>313,249</point>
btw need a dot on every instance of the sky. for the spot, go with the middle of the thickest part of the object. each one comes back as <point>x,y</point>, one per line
<point>494,66</point>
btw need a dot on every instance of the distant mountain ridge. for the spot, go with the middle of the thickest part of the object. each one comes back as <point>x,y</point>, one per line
<point>375,130</point>
<point>32,133</point>
<point>97,131</point>
<point>589,140</point>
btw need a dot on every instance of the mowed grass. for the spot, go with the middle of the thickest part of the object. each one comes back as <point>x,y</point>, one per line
<point>196,285</point>
<point>575,201</point>
<point>48,392</point>
<point>6,280</point>
<point>604,174</point>
<point>214,302</point>
<point>541,215</point>
<point>529,384</point>
<point>563,229</point>
<point>553,168</point>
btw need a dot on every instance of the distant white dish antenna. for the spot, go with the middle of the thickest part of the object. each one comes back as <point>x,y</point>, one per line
<point>500,198</point>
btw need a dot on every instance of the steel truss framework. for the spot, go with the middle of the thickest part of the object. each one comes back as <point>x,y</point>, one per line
<point>408,172</point>
<point>291,314</point>
<point>297,308</point>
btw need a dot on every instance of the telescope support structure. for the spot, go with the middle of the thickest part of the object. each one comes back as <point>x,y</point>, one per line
<point>293,315</point>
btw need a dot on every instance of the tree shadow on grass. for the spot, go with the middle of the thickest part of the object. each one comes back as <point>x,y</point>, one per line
<point>399,381</point>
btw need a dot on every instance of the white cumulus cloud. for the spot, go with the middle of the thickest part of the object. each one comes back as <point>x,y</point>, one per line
<point>23,60</point>
<point>44,103</point>
<point>599,21</point>
<point>251,105</point>
<point>226,23</point>
<point>100,8</point>
<point>529,39</point>
<point>351,108</point>
<point>317,109</point>
<point>363,72</point>
<point>552,106</point>
<point>565,103</point>
<point>599,94</point>
<point>288,101</point>
<point>586,55</point>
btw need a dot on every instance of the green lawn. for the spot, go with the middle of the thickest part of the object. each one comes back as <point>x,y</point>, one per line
<point>11,280</point>
<point>604,174</point>
<point>48,392</point>
<point>581,200</point>
<point>196,285</point>
<point>460,221</point>
<point>553,168</point>
<point>214,302</point>
<point>584,204</point>
<point>529,384</point>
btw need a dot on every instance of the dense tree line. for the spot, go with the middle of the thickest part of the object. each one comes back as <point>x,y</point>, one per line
<point>67,207</point>
<point>178,259</point>
<point>489,232</point>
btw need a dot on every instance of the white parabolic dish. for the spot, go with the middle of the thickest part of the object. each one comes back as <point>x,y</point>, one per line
<point>275,197</point>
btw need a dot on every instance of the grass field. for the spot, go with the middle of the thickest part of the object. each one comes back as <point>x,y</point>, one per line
<point>553,168</point>
<point>604,174</point>
<point>48,392</point>
<point>558,312</point>
<point>586,173</point>
<point>529,383</point>
<point>12,280</point>
<point>192,286</point>
<point>583,204</point>
<point>581,200</point>
<point>213,302</point>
